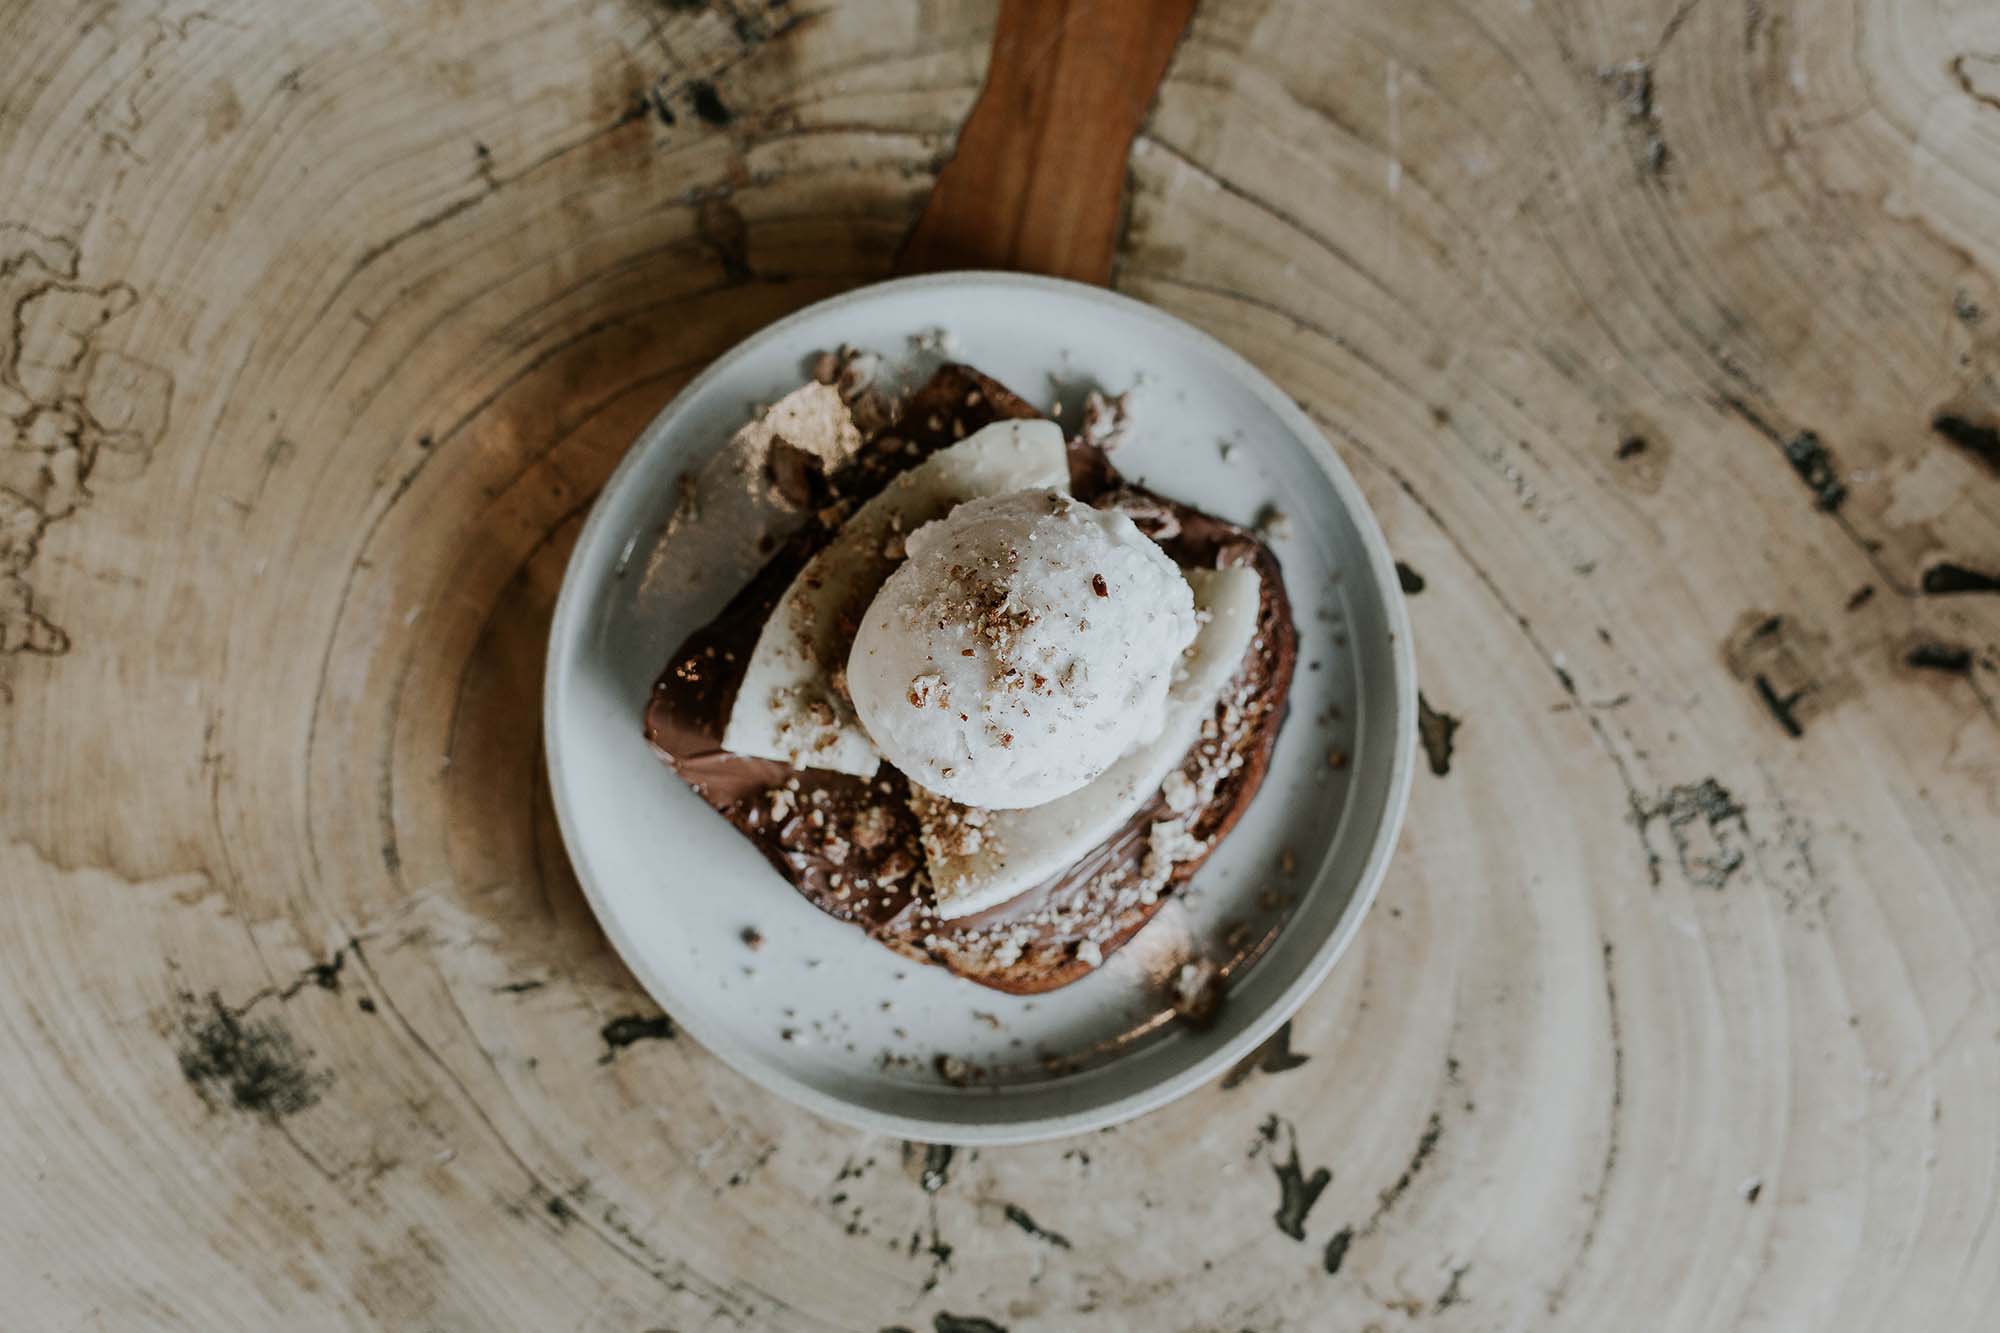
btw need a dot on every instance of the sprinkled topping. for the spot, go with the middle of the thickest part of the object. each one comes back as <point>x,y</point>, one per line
<point>1107,422</point>
<point>1197,991</point>
<point>872,827</point>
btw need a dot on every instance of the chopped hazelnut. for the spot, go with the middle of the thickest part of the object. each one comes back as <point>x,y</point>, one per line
<point>872,827</point>
<point>928,689</point>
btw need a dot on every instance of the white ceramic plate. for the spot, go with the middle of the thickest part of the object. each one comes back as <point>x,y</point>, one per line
<point>820,1013</point>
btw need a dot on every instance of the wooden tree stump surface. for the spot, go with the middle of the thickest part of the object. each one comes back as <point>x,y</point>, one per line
<point>1663,335</point>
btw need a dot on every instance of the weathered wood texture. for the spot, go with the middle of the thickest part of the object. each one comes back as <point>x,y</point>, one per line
<point>1664,335</point>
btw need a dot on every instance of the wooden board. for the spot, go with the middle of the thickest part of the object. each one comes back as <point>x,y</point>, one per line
<point>1663,334</point>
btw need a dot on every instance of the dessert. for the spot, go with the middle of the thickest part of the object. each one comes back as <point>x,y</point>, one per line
<point>1024,646</point>
<point>985,700</point>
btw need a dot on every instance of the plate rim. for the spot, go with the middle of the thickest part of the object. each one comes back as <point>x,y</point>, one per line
<point>561,655</point>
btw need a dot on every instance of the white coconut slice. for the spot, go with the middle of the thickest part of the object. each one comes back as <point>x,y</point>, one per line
<point>793,704</point>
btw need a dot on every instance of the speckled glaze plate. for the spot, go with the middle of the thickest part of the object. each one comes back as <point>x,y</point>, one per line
<point>824,1016</point>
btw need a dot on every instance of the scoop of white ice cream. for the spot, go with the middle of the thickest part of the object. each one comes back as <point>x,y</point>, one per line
<point>1024,647</point>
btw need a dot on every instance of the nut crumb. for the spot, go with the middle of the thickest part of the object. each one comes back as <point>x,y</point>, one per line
<point>753,938</point>
<point>1107,422</point>
<point>872,827</point>
<point>1197,991</point>
<point>1099,586</point>
<point>941,341</point>
<point>929,690</point>
<point>1089,954</point>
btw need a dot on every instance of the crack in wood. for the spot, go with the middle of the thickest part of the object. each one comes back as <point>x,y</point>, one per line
<point>1790,667</point>
<point>1951,658</point>
<point>1595,1220</point>
<point>1962,70</point>
<point>60,392</point>
<point>1783,707</point>
<point>954,1323</point>
<point>1273,1056</point>
<point>1335,1254</point>
<point>1814,464</point>
<point>1733,404</point>
<point>1436,730</point>
<point>1020,1218</point>
<point>1338,1245</point>
<point>1297,1191</point>
<point>1452,1293</point>
<point>935,1173</point>
<point>1979,439</point>
<point>627,1029</point>
<point>1387,1200</point>
<point>1689,812</point>
<point>1947,579</point>
<point>1631,83</point>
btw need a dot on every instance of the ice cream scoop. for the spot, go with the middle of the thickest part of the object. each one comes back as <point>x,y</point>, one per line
<point>1023,648</point>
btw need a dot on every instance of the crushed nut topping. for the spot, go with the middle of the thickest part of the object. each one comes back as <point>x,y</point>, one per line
<point>1197,991</point>
<point>929,690</point>
<point>1107,422</point>
<point>872,827</point>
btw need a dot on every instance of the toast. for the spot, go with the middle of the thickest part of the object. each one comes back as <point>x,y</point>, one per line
<point>853,846</point>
